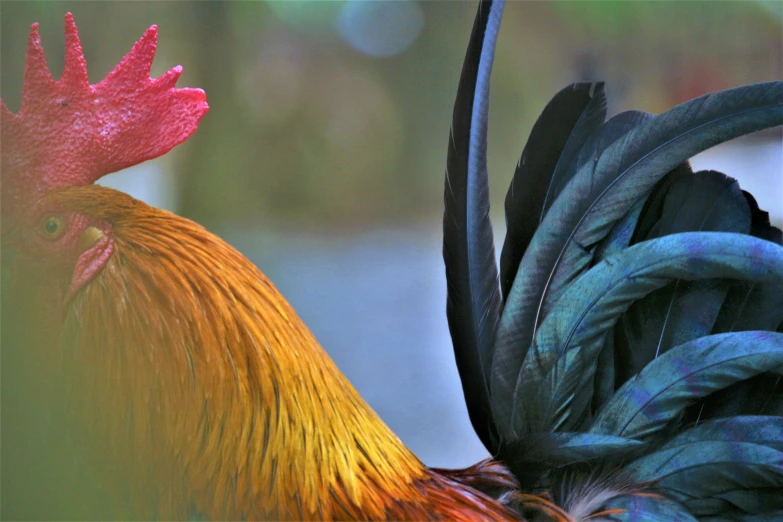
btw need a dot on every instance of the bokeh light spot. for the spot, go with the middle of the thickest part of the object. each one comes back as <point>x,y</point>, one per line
<point>380,28</point>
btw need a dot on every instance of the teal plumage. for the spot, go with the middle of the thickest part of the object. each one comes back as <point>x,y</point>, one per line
<point>629,351</point>
<point>646,403</point>
<point>601,193</point>
<point>473,304</point>
<point>546,166</point>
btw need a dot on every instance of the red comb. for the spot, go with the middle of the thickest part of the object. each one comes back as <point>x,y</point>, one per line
<point>69,132</point>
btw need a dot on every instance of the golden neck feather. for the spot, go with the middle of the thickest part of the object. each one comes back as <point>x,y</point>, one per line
<point>207,384</point>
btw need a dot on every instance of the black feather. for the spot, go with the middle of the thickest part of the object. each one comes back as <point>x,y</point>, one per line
<point>760,225</point>
<point>544,167</point>
<point>610,131</point>
<point>602,217</point>
<point>561,363</point>
<point>748,306</point>
<point>682,310</point>
<point>604,385</point>
<point>653,204</point>
<point>600,194</point>
<point>761,395</point>
<point>473,303</point>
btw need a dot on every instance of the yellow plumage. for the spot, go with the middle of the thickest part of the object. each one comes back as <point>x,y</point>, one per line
<point>204,383</point>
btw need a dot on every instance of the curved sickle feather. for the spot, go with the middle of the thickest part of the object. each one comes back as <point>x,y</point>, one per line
<point>681,311</point>
<point>545,167</point>
<point>676,379</point>
<point>766,430</point>
<point>700,470</point>
<point>600,194</point>
<point>473,303</point>
<point>554,378</point>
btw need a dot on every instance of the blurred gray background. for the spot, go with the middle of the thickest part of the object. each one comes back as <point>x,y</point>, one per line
<point>323,153</point>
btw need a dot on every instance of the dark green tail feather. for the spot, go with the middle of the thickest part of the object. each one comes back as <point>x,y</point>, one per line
<point>618,184</point>
<point>600,195</point>
<point>473,299</point>
<point>566,122</point>
<point>689,309</point>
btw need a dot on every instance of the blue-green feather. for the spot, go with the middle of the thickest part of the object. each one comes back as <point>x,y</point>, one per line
<point>766,430</point>
<point>563,448</point>
<point>599,195</point>
<point>573,447</point>
<point>681,311</point>
<point>673,381</point>
<point>635,352</point>
<point>473,300</point>
<point>771,516</point>
<point>647,508</point>
<point>565,123</point>
<point>562,361</point>
<point>750,306</point>
<point>700,470</point>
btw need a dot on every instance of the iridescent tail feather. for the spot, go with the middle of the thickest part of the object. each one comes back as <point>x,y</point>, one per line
<point>633,293</point>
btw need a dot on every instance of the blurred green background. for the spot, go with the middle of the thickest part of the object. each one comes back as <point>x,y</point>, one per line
<point>310,127</point>
<point>323,153</point>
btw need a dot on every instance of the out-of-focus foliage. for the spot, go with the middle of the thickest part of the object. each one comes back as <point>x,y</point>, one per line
<point>341,109</point>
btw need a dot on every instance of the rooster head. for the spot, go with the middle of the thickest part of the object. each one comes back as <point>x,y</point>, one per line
<point>67,135</point>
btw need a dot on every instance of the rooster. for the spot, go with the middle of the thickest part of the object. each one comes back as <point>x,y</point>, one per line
<point>192,382</point>
<point>624,363</point>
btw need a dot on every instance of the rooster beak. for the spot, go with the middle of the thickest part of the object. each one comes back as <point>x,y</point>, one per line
<point>89,238</point>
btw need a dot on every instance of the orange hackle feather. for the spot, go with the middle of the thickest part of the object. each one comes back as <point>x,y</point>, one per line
<point>213,393</point>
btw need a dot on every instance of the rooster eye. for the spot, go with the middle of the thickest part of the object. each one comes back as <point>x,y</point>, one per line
<point>52,226</point>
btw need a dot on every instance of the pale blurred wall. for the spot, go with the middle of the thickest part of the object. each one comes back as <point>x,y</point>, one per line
<point>323,161</point>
